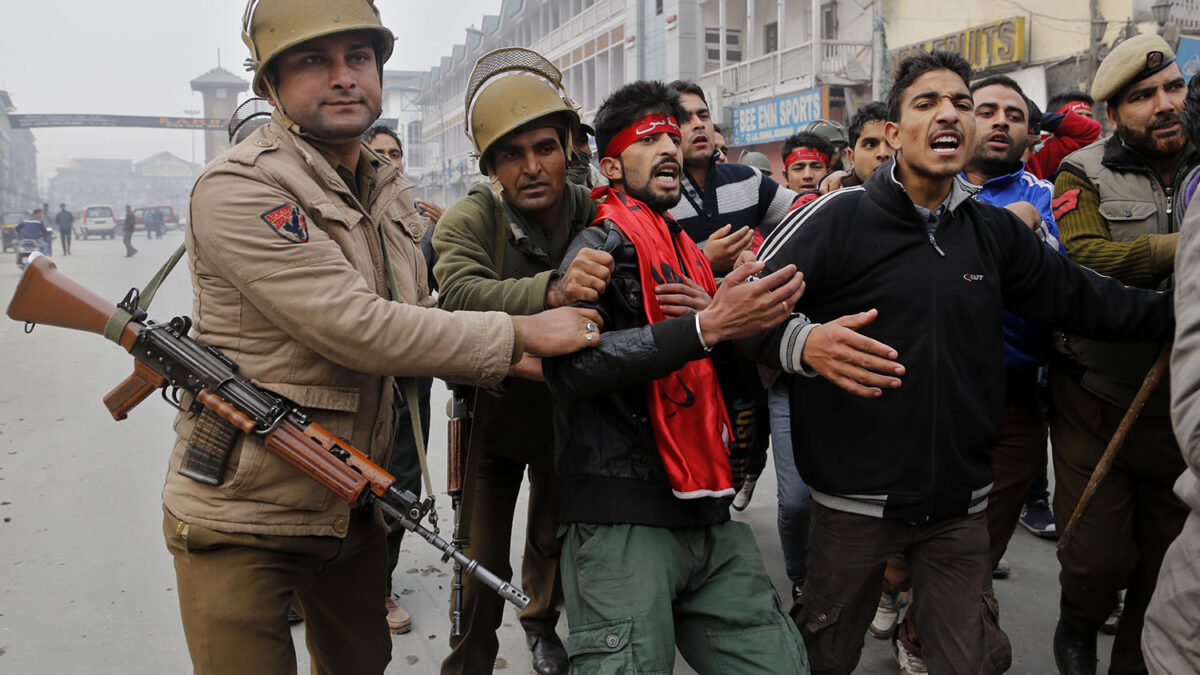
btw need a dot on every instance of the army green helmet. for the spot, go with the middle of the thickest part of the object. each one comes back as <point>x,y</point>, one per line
<point>509,88</point>
<point>271,27</point>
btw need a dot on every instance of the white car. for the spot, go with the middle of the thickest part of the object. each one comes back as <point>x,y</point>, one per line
<point>97,220</point>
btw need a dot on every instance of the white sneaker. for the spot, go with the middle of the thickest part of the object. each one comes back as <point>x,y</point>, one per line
<point>887,615</point>
<point>910,664</point>
<point>742,499</point>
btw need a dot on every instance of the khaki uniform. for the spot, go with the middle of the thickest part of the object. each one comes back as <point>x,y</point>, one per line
<point>1116,218</point>
<point>287,266</point>
<point>511,433</point>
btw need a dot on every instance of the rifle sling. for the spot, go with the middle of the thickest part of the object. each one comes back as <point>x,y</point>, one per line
<point>122,317</point>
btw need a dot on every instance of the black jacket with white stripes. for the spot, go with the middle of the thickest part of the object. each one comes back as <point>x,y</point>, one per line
<point>922,452</point>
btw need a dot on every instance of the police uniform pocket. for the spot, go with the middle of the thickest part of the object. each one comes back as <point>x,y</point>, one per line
<point>822,635</point>
<point>602,648</point>
<point>261,476</point>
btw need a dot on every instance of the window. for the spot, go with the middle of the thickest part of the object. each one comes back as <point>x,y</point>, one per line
<point>658,9</point>
<point>712,45</point>
<point>771,37</point>
<point>829,22</point>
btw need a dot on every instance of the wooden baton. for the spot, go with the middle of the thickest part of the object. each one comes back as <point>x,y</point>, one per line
<point>1149,384</point>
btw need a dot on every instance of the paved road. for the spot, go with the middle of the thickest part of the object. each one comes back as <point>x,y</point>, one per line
<point>86,584</point>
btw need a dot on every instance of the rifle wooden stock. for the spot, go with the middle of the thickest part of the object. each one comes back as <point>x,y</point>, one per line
<point>125,397</point>
<point>331,445</point>
<point>45,295</point>
<point>456,455</point>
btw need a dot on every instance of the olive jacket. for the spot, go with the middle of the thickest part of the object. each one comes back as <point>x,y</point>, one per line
<point>289,281</point>
<point>516,422</point>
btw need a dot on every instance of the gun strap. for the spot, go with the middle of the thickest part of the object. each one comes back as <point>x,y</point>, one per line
<point>410,384</point>
<point>117,322</point>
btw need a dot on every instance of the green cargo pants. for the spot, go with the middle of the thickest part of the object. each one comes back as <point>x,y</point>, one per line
<point>633,593</point>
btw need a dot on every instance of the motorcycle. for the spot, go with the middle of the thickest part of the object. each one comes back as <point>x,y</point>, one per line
<point>26,248</point>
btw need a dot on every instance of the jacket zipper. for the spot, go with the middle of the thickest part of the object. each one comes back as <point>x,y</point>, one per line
<point>935,375</point>
<point>935,245</point>
<point>378,227</point>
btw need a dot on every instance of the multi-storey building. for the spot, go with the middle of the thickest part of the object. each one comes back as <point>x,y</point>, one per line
<point>769,67</point>
<point>161,179</point>
<point>765,56</point>
<point>18,164</point>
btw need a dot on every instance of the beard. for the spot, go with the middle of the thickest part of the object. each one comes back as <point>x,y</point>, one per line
<point>1144,142</point>
<point>997,165</point>
<point>644,191</point>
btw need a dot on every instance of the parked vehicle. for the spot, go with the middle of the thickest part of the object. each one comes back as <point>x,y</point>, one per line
<point>96,220</point>
<point>8,227</point>
<point>169,221</point>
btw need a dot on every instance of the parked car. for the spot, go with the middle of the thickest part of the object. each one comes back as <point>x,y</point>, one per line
<point>169,221</point>
<point>8,227</point>
<point>96,220</point>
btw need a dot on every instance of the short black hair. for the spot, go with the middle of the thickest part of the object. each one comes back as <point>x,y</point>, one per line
<point>631,102</point>
<point>374,131</point>
<point>1191,111</point>
<point>717,128</point>
<point>1062,98</point>
<point>875,111</point>
<point>807,139</point>
<point>688,87</point>
<point>917,65</point>
<point>1005,81</point>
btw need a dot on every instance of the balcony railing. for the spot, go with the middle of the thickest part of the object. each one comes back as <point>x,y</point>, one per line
<point>792,66</point>
<point>583,24</point>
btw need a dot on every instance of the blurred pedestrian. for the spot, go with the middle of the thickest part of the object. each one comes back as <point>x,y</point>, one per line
<point>127,231</point>
<point>63,219</point>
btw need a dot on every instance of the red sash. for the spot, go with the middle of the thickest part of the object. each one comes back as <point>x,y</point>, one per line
<point>691,427</point>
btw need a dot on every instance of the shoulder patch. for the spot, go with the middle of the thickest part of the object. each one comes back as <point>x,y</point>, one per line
<point>288,222</point>
<point>1065,203</point>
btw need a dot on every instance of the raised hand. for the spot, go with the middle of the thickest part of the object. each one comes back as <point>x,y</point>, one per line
<point>860,365</point>
<point>743,308</point>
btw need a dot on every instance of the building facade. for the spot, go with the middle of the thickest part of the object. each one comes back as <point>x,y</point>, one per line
<point>18,164</point>
<point>769,67</point>
<point>161,179</point>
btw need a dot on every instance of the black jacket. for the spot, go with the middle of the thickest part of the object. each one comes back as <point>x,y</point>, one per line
<point>922,452</point>
<point>608,465</point>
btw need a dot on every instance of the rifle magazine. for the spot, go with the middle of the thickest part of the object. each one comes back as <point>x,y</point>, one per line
<point>208,448</point>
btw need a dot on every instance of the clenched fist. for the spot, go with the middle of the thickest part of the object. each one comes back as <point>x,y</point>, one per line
<point>584,281</point>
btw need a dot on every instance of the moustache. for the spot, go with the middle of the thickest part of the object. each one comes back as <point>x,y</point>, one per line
<point>1164,120</point>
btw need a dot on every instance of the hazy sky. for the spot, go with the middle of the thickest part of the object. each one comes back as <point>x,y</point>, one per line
<point>136,57</point>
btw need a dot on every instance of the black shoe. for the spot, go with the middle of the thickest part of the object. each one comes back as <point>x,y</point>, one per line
<point>1002,570</point>
<point>1037,517</point>
<point>549,655</point>
<point>294,617</point>
<point>1074,651</point>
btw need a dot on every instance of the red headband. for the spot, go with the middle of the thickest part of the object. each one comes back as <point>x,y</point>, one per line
<point>805,155</point>
<point>647,126</point>
<point>1076,107</point>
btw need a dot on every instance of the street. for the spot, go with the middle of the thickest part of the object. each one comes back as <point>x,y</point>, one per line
<point>87,585</point>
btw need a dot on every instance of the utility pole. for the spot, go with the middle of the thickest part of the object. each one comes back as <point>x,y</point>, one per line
<point>878,48</point>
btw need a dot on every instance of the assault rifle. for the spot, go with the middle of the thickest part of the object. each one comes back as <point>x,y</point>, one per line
<point>167,359</point>
<point>459,439</point>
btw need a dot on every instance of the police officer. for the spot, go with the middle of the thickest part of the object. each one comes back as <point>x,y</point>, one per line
<point>500,250</point>
<point>306,273</point>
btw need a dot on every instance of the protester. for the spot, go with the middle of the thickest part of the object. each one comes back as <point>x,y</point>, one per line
<point>580,169</point>
<point>1019,454</point>
<point>1071,125</point>
<point>920,480</point>
<point>502,252</point>
<point>287,247</point>
<point>651,560</point>
<point>1114,209</point>
<point>806,160</point>
<point>721,145</point>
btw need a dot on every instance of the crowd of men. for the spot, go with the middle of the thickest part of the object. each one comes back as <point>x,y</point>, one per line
<point>632,333</point>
